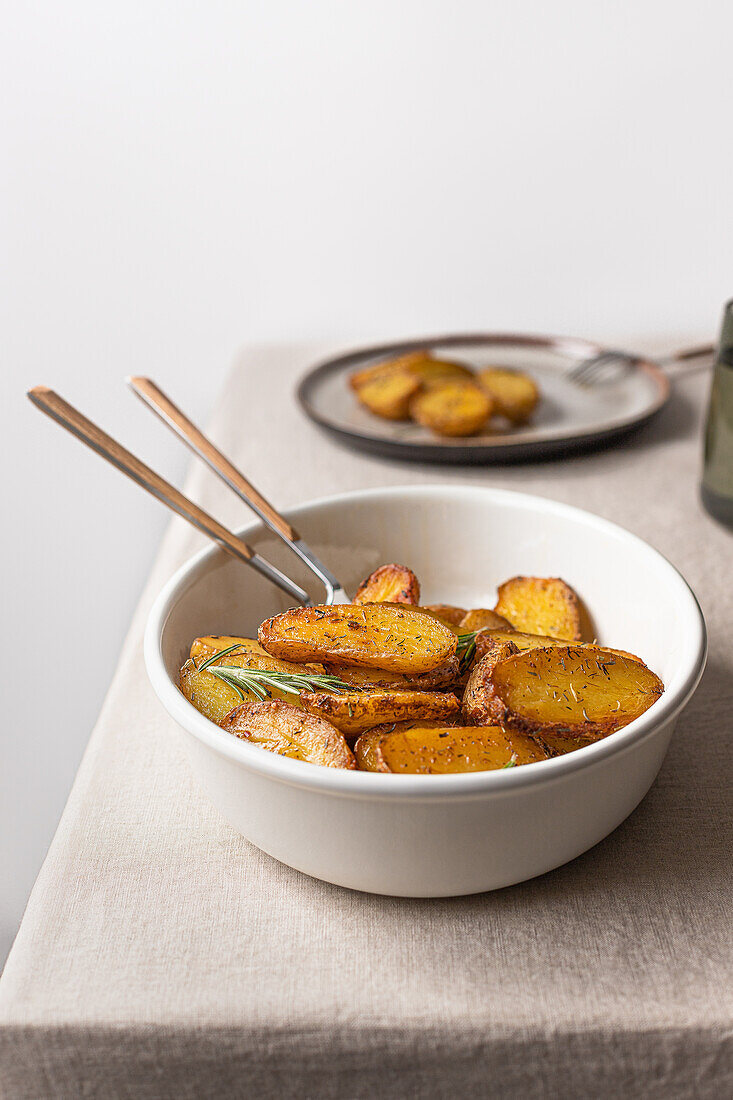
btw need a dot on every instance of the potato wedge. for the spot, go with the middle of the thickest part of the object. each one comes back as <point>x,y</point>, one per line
<point>389,584</point>
<point>214,698</point>
<point>353,712</point>
<point>421,749</point>
<point>447,612</point>
<point>534,641</point>
<point>389,396</point>
<point>394,637</point>
<point>480,618</point>
<point>451,407</point>
<point>475,707</point>
<point>428,369</point>
<point>209,644</point>
<point>386,368</point>
<point>540,605</point>
<point>513,392</point>
<point>288,731</point>
<point>367,679</point>
<point>584,691</point>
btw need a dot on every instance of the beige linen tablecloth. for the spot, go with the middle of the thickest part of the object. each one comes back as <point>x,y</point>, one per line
<point>161,955</point>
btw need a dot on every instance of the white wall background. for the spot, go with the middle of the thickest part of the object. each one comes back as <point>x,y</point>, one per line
<point>179,178</point>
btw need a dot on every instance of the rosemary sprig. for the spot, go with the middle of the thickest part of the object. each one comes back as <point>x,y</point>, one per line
<point>510,763</point>
<point>216,657</point>
<point>256,681</point>
<point>466,648</point>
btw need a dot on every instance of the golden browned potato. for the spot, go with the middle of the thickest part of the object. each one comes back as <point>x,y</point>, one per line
<point>558,744</point>
<point>480,618</point>
<point>451,407</point>
<point>210,695</point>
<point>447,612</point>
<point>582,691</point>
<point>385,368</point>
<point>288,731</point>
<point>476,709</point>
<point>215,698</point>
<point>540,605</point>
<point>534,641</point>
<point>514,394</point>
<point>366,679</point>
<point>389,584</point>
<point>353,712</point>
<point>389,396</point>
<point>209,644</point>
<point>428,369</point>
<point>394,637</point>
<point>421,748</point>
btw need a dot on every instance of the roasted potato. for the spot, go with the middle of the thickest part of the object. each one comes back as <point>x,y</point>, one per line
<point>513,393</point>
<point>428,369</point>
<point>367,679</point>
<point>289,731</point>
<point>389,584</point>
<point>394,637</point>
<point>581,691</point>
<point>422,748</point>
<point>541,605</point>
<point>213,697</point>
<point>451,407</point>
<point>386,368</point>
<point>447,612</point>
<point>483,619</point>
<point>534,641</point>
<point>389,396</point>
<point>475,706</point>
<point>353,712</point>
<point>209,644</point>
<point>558,744</point>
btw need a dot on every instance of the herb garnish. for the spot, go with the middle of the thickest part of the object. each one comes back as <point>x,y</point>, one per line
<point>255,681</point>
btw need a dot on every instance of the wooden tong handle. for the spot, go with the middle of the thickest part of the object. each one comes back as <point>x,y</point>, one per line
<point>71,419</point>
<point>160,403</point>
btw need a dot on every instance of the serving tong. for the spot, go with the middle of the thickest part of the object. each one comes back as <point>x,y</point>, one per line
<point>98,440</point>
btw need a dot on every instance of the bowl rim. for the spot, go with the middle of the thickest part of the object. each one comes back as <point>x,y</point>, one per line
<point>360,784</point>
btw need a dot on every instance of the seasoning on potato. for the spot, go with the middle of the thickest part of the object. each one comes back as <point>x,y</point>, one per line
<point>569,690</point>
<point>541,605</point>
<point>391,674</point>
<point>421,749</point>
<point>389,584</point>
<point>394,637</point>
<point>355,711</point>
<point>288,731</point>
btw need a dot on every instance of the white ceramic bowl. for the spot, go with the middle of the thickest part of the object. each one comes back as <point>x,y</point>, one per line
<point>432,836</point>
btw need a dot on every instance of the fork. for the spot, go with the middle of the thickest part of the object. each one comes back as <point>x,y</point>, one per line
<point>592,370</point>
<point>89,433</point>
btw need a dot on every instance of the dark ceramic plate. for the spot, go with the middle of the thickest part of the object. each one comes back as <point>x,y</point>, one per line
<point>568,418</point>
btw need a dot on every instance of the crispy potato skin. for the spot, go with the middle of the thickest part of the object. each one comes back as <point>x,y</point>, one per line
<point>540,605</point>
<point>447,612</point>
<point>416,748</point>
<point>480,618</point>
<point>514,394</point>
<point>288,731</point>
<point>535,641</point>
<point>394,637</point>
<point>389,584</point>
<point>211,696</point>
<point>367,679</point>
<point>451,407</point>
<point>476,708</point>
<point>576,691</point>
<point>353,712</point>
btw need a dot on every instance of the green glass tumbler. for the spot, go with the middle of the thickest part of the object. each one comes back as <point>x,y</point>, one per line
<point>717,476</point>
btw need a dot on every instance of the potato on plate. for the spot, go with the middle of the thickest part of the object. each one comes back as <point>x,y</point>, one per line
<point>447,612</point>
<point>480,618</point>
<point>584,691</point>
<point>513,392</point>
<point>389,396</point>
<point>289,731</point>
<point>541,605</point>
<point>353,712</point>
<point>367,679</point>
<point>386,368</point>
<point>452,407</point>
<point>395,637</point>
<point>389,584</point>
<point>421,748</point>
